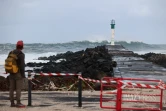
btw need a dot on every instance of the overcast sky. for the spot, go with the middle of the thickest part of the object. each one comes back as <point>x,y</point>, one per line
<point>59,21</point>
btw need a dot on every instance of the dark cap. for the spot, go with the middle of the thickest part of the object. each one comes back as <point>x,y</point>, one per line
<point>20,44</point>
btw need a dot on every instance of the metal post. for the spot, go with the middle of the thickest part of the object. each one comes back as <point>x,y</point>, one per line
<point>161,99</point>
<point>101,94</point>
<point>119,97</point>
<point>80,93</point>
<point>29,90</point>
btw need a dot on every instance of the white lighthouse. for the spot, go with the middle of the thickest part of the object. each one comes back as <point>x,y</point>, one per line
<point>112,32</point>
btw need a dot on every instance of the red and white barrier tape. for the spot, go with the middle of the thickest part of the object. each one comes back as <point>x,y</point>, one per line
<point>127,83</point>
<point>55,74</point>
<point>142,85</point>
<point>160,86</point>
<point>161,83</point>
<point>90,80</point>
<point>97,81</point>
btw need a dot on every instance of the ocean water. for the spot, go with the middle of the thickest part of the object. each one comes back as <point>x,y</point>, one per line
<point>35,50</point>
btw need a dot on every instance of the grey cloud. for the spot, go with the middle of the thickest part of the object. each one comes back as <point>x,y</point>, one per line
<point>71,20</point>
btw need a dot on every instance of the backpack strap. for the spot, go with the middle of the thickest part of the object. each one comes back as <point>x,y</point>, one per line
<point>12,52</point>
<point>19,52</point>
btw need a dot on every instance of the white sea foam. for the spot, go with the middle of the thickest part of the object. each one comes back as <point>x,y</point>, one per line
<point>29,57</point>
<point>33,57</point>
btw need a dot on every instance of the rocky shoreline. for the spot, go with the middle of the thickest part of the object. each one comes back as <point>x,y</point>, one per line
<point>159,59</point>
<point>93,63</point>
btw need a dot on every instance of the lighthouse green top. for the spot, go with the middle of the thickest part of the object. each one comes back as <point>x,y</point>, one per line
<point>112,24</point>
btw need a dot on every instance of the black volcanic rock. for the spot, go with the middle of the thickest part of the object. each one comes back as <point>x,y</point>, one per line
<point>159,59</point>
<point>93,63</point>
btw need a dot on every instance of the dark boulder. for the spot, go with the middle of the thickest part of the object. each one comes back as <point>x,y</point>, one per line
<point>159,59</point>
<point>92,63</point>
